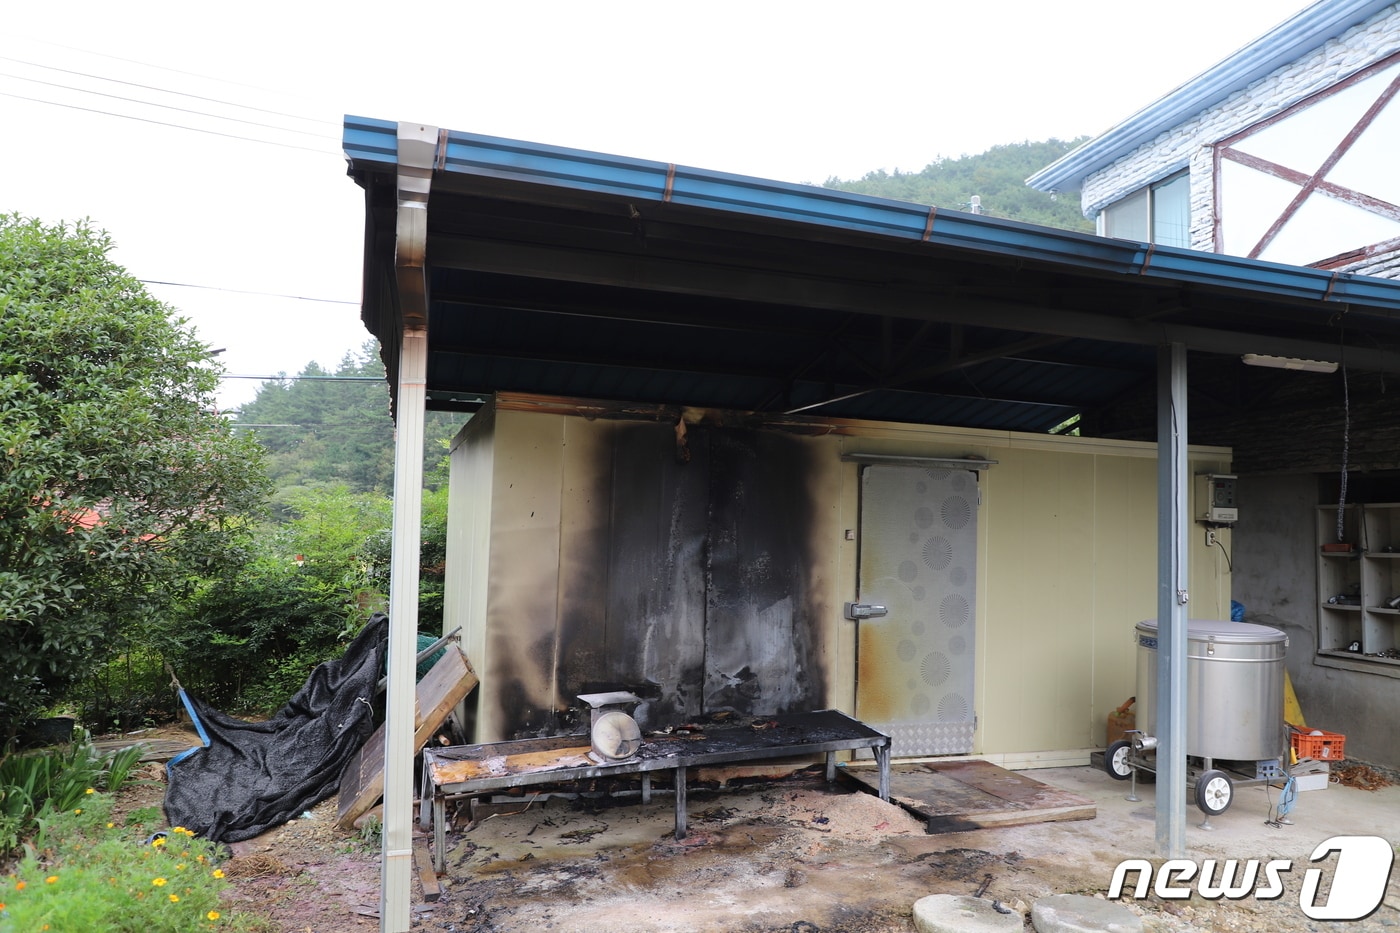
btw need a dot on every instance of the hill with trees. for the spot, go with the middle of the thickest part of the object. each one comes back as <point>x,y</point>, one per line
<point>324,429</point>
<point>996,177</point>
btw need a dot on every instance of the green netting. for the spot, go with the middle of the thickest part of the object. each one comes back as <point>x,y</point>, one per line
<point>427,663</point>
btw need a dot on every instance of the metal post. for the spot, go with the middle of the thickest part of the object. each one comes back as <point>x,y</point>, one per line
<point>1172,599</point>
<point>396,867</point>
<point>416,147</point>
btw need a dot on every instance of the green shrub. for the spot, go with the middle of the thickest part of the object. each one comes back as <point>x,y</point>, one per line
<point>87,873</point>
<point>35,785</point>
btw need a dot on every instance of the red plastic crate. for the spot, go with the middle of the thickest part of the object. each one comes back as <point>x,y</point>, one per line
<point>1325,747</point>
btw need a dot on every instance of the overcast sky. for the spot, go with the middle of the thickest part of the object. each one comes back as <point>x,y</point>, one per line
<point>234,190</point>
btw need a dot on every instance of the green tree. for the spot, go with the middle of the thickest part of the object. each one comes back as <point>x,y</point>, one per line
<point>119,484</point>
<point>333,428</point>
<point>996,177</point>
<point>255,631</point>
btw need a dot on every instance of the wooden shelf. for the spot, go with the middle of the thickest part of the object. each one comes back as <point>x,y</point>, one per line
<point>1373,580</point>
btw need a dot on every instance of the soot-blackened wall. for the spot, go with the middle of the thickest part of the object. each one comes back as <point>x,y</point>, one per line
<point>687,572</point>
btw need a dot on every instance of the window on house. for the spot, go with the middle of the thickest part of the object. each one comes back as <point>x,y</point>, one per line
<point>1159,213</point>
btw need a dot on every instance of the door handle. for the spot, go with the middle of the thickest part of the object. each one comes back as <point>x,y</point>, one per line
<point>858,611</point>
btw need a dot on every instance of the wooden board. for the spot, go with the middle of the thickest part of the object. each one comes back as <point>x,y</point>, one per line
<point>441,689</point>
<point>151,749</point>
<point>957,796</point>
<point>456,772</point>
<point>426,876</point>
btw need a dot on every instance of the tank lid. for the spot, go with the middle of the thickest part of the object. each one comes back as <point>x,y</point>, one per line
<point>1222,631</point>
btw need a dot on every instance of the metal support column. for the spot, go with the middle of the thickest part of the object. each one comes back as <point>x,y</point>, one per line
<point>416,147</point>
<point>1172,597</point>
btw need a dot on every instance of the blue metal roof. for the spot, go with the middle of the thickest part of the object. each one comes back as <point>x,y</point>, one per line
<point>564,272</point>
<point>367,140</point>
<point>1286,43</point>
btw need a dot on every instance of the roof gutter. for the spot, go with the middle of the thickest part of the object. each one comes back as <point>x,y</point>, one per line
<point>1303,32</point>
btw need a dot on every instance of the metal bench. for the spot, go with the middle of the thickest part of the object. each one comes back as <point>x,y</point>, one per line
<point>473,770</point>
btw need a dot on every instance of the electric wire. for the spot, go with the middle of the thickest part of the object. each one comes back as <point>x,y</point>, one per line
<point>1228,563</point>
<point>150,103</point>
<point>241,291</point>
<point>165,90</point>
<point>178,126</point>
<point>34,40</point>
<point>162,90</point>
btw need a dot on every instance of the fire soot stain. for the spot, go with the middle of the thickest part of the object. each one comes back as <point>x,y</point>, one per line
<point>697,579</point>
<point>763,612</point>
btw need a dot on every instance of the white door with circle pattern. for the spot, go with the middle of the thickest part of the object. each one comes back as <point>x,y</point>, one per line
<point>918,552</point>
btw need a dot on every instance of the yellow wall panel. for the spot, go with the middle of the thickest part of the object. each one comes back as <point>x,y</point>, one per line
<point>468,554</point>
<point>1066,564</point>
<point>523,593</point>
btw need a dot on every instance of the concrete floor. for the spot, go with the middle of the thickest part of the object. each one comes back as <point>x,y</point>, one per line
<point>1242,831</point>
<point>797,855</point>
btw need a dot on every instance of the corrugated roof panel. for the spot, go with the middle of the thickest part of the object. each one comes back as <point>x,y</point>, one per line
<point>535,163</point>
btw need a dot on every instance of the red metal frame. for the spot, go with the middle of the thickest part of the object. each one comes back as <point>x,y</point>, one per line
<point>1315,181</point>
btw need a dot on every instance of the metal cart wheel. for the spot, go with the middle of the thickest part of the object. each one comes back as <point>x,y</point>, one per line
<point>1214,792</point>
<point>1115,760</point>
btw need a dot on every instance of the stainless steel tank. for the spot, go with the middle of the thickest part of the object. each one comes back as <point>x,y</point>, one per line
<point>1234,690</point>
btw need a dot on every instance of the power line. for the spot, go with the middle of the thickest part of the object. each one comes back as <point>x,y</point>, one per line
<point>178,126</point>
<point>150,103</point>
<point>162,90</point>
<point>306,378</point>
<point>192,74</point>
<point>241,291</point>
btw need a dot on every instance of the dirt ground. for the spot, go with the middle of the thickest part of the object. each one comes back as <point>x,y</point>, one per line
<point>795,855</point>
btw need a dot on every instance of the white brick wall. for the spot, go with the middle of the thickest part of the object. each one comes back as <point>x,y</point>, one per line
<point>1189,144</point>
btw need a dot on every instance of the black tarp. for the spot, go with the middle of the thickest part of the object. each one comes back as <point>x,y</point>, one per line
<point>252,776</point>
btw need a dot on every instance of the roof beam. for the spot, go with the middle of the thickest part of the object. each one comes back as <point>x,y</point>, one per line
<point>816,291</point>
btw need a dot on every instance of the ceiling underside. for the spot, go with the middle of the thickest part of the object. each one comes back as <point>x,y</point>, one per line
<point>588,295</point>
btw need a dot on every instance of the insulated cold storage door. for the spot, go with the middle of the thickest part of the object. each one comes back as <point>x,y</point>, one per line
<point>918,550</point>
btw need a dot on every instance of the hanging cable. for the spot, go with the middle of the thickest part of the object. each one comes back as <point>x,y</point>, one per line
<point>189,110</point>
<point>178,126</point>
<point>1346,446</point>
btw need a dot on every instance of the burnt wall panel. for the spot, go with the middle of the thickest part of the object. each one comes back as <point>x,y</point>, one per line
<point>656,591</point>
<point>632,582</point>
<point>763,623</point>
<point>581,656</point>
<point>688,574</point>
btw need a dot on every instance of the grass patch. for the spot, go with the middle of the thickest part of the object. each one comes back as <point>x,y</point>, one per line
<point>82,871</point>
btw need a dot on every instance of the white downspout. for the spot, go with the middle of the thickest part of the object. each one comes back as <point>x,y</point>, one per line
<point>416,149</point>
<point>1172,597</point>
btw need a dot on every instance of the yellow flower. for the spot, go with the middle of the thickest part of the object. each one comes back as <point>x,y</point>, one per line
<point>89,791</point>
<point>111,825</point>
<point>218,873</point>
<point>201,859</point>
<point>180,867</point>
<point>51,879</point>
<point>77,811</point>
<point>212,915</point>
<point>158,882</point>
<point>158,841</point>
<point>174,898</point>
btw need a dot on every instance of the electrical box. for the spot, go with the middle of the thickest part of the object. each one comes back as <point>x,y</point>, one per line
<point>1215,498</point>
